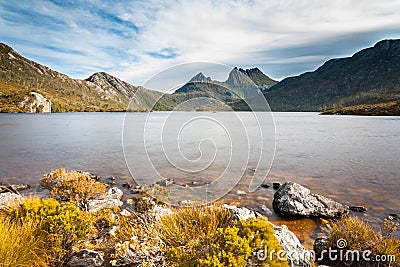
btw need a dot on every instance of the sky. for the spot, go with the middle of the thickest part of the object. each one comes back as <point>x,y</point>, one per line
<point>134,40</point>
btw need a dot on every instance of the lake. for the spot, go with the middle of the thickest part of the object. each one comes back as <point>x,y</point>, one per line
<point>352,159</point>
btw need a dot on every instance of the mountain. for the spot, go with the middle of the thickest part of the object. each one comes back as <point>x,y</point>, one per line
<point>259,78</point>
<point>238,85</point>
<point>26,86</point>
<point>200,78</point>
<point>370,76</point>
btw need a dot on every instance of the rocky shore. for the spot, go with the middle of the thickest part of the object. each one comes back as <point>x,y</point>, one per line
<point>290,200</point>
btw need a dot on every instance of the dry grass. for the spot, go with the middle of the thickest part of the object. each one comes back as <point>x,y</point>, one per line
<point>193,224</point>
<point>21,244</point>
<point>361,236</point>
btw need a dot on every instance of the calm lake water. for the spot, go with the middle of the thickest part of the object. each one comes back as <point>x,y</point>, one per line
<point>352,159</point>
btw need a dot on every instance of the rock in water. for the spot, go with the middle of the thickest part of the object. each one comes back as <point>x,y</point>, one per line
<point>86,258</point>
<point>358,208</point>
<point>294,199</point>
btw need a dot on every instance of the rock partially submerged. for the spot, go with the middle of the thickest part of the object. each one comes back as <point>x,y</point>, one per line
<point>292,199</point>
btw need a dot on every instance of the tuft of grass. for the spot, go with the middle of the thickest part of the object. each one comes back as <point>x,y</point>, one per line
<point>362,236</point>
<point>193,224</point>
<point>21,244</point>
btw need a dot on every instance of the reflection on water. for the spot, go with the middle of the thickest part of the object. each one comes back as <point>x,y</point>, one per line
<point>351,159</point>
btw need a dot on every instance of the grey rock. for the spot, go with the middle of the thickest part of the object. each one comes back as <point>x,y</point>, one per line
<point>8,198</point>
<point>265,185</point>
<point>160,211</point>
<point>263,210</point>
<point>320,244</point>
<point>112,199</point>
<point>276,185</point>
<point>108,231</point>
<point>14,188</point>
<point>358,208</point>
<point>394,218</point>
<point>294,199</point>
<point>165,182</point>
<point>297,255</point>
<point>86,258</point>
<point>242,213</point>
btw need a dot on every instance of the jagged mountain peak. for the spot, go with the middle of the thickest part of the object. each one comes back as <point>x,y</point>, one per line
<point>200,77</point>
<point>237,78</point>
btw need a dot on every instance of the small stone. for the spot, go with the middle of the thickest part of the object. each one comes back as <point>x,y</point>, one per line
<point>165,182</point>
<point>276,186</point>
<point>242,213</point>
<point>108,231</point>
<point>112,178</point>
<point>394,218</point>
<point>125,213</point>
<point>263,210</point>
<point>241,192</point>
<point>127,185</point>
<point>130,201</point>
<point>358,208</point>
<point>265,185</point>
<point>86,258</point>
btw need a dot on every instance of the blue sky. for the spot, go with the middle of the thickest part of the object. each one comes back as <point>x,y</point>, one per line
<point>136,39</point>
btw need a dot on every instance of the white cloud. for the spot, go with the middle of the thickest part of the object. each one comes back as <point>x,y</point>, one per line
<point>238,32</point>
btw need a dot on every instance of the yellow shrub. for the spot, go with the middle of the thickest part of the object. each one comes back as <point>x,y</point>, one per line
<point>64,224</point>
<point>21,244</point>
<point>72,185</point>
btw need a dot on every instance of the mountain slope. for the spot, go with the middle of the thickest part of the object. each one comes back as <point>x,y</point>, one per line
<point>19,77</point>
<point>368,77</point>
<point>259,78</point>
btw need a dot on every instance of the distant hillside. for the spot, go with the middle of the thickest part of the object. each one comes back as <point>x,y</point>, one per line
<point>26,86</point>
<point>19,77</point>
<point>370,76</point>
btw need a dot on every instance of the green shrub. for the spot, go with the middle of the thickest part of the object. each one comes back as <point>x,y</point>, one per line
<point>64,224</point>
<point>207,236</point>
<point>228,249</point>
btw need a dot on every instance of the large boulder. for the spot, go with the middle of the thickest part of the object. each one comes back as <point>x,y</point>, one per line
<point>292,199</point>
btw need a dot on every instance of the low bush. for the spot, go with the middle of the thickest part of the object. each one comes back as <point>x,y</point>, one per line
<point>63,224</point>
<point>207,236</point>
<point>72,185</point>
<point>361,236</point>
